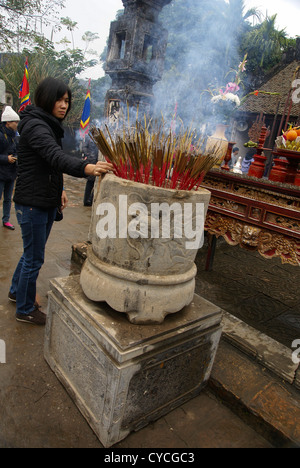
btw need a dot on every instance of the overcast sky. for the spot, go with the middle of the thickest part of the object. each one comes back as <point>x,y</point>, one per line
<point>288,13</point>
<point>96,16</point>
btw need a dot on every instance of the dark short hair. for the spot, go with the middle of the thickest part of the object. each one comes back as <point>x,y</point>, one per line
<point>250,153</point>
<point>235,149</point>
<point>49,91</point>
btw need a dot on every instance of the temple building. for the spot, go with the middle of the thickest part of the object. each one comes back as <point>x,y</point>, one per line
<point>136,53</point>
<point>277,110</point>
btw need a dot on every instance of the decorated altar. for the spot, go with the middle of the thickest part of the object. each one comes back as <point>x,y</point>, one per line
<point>256,214</point>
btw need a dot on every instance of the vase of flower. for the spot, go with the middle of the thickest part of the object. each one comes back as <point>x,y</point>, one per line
<point>224,102</point>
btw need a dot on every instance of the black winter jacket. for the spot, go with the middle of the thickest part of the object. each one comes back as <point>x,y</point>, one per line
<point>8,145</point>
<point>41,160</point>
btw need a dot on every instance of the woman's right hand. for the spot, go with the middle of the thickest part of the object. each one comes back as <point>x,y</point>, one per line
<point>98,169</point>
<point>12,159</point>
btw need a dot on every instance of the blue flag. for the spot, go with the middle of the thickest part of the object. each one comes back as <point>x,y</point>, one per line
<point>86,114</point>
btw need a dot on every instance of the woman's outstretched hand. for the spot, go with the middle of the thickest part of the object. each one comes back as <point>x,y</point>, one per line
<point>98,169</point>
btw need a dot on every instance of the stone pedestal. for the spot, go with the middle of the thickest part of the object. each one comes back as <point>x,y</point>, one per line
<point>123,376</point>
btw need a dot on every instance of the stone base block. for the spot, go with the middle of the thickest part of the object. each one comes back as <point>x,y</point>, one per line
<point>124,376</point>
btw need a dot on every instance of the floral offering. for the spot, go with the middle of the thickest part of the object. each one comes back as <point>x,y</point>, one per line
<point>226,101</point>
<point>290,140</point>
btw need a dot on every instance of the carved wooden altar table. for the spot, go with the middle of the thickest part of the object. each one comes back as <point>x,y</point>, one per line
<point>255,214</point>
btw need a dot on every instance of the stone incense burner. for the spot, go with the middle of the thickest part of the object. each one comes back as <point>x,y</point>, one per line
<point>142,258</point>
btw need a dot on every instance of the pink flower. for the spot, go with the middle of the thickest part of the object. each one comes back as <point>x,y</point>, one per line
<point>242,66</point>
<point>232,88</point>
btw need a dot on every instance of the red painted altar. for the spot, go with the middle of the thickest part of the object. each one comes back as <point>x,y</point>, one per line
<point>256,214</point>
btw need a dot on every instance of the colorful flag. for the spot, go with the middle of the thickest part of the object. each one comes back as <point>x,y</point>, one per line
<point>24,94</point>
<point>86,114</point>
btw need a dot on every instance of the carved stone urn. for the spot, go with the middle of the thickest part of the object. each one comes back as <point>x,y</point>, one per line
<point>144,244</point>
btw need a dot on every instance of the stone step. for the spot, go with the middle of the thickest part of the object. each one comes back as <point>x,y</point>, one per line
<point>267,403</point>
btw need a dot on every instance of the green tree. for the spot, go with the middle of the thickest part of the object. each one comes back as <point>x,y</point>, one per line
<point>207,40</point>
<point>22,21</point>
<point>265,45</point>
<point>203,46</point>
<point>235,16</point>
<point>88,38</point>
<point>71,26</point>
<point>45,61</point>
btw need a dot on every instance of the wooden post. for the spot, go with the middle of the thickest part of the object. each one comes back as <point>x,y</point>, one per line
<point>257,168</point>
<point>212,244</point>
<point>278,172</point>
<point>228,156</point>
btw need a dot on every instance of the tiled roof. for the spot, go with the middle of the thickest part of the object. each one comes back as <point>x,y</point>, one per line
<point>279,83</point>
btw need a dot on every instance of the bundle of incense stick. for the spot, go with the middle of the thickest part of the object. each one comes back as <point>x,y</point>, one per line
<point>150,154</point>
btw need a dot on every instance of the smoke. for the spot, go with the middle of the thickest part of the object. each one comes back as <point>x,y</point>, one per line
<point>202,48</point>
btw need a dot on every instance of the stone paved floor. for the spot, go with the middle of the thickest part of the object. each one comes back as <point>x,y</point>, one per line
<point>263,293</point>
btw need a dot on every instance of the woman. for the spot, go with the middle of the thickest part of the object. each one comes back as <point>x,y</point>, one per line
<point>8,161</point>
<point>248,159</point>
<point>39,187</point>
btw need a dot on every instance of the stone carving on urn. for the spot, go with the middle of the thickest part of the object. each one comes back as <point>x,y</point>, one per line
<point>147,276</point>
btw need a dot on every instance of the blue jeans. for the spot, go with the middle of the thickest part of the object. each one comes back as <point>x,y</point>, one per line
<point>36,226</point>
<point>6,188</point>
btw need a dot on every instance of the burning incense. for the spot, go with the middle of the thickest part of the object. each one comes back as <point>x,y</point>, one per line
<point>150,154</point>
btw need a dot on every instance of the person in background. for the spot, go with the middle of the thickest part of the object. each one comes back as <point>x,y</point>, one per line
<point>90,154</point>
<point>39,189</point>
<point>248,159</point>
<point>234,157</point>
<point>8,161</point>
